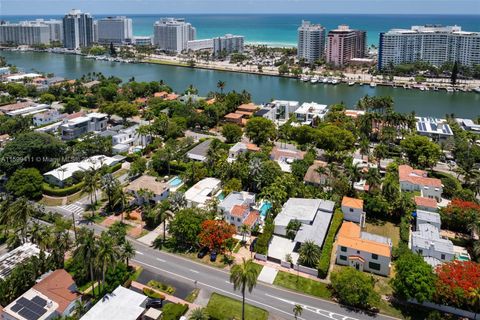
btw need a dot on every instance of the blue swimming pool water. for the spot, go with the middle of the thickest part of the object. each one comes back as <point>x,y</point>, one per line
<point>175,182</point>
<point>264,208</point>
<point>221,196</point>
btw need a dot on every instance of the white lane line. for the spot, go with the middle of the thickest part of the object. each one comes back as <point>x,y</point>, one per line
<point>226,281</point>
<point>139,252</point>
<point>218,289</point>
<point>194,271</point>
<point>161,260</point>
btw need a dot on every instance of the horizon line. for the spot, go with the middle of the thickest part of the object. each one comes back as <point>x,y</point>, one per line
<point>247,13</point>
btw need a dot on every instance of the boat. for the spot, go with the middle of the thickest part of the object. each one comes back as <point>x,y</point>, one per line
<point>373,84</point>
<point>477,90</point>
<point>314,79</point>
<point>325,80</point>
<point>435,89</point>
<point>450,89</point>
<point>335,81</point>
<point>329,80</point>
<point>351,83</point>
<point>306,78</point>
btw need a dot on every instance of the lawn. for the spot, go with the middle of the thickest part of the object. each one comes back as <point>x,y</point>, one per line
<point>224,308</point>
<point>51,201</point>
<point>384,228</point>
<point>258,267</point>
<point>304,285</point>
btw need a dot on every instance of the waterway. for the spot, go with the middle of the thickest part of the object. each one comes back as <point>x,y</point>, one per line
<point>262,88</point>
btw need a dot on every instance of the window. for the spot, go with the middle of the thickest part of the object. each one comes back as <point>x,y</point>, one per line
<point>420,251</point>
<point>238,219</point>
<point>351,210</point>
<point>374,266</point>
<point>358,251</point>
<point>374,256</point>
<point>343,249</point>
<point>344,258</point>
<point>443,257</point>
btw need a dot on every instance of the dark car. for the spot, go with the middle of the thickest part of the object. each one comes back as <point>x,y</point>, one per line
<point>213,256</point>
<point>154,303</point>
<point>252,245</point>
<point>202,253</point>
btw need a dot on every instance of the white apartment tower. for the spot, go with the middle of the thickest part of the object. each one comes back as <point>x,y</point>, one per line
<point>116,30</point>
<point>172,34</point>
<point>24,33</point>
<point>432,43</point>
<point>311,41</point>
<point>227,44</point>
<point>77,30</point>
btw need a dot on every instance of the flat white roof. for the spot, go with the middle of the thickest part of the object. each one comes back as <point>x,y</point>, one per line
<point>279,247</point>
<point>22,76</point>
<point>94,162</point>
<point>201,192</point>
<point>312,107</point>
<point>121,304</point>
<point>11,259</point>
<point>430,125</point>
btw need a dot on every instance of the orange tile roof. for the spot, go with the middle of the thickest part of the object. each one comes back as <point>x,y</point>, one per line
<point>56,286</point>
<point>278,153</point>
<point>75,115</point>
<point>352,202</point>
<point>349,236</point>
<point>246,113</point>
<point>417,177</point>
<point>171,96</point>
<point>238,210</point>
<point>160,94</point>
<point>141,100</point>
<point>251,218</point>
<point>233,116</point>
<point>211,101</point>
<point>425,202</point>
<point>252,147</point>
<point>251,107</point>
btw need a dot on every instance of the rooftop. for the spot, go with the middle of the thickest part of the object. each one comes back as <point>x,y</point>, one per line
<point>312,107</point>
<point>428,217</point>
<point>203,190</point>
<point>351,236</point>
<point>60,287</point>
<point>149,183</point>
<point>312,174</point>
<point>17,256</point>
<point>425,202</point>
<point>428,125</point>
<point>428,236</point>
<point>352,203</point>
<point>417,177</point>
<point>199,152</point>
<point>236,198</point>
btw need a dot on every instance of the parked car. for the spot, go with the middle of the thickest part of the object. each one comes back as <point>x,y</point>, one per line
<point>252,245</point>
<point>202,253</point>
<point>213,255</point>
<point>154,303</point>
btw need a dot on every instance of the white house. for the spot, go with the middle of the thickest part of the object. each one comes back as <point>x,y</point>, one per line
<point>147,188</point>
<point>416,180</point>
<point>237,209</point>
<point>200,151</point>
<point>45,117</point>
<point>203,191</point>
<point>362,250</point>
<point>92,122</point>
<point>308,111</point>
<point>437,129</point>
<point>239,148</point>
<point>352,209</point>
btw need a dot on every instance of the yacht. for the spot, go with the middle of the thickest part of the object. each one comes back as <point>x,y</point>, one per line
<point>477,90</point>
<point>373,84</point>
<point>306,78</point>
<point>351,83</point>
<point>450,89</point>
<point>335,81</point>
<point>314,79</point>
<point>325,80</point>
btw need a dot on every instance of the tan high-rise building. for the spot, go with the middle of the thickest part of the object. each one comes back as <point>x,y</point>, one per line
<point>344,44</point>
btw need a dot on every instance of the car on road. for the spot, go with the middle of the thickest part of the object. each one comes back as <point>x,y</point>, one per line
<point>213,256</point>
<point>202,253</point>
<point>154,303</point>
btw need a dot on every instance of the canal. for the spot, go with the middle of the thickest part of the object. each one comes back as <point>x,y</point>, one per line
<point>262,88</point>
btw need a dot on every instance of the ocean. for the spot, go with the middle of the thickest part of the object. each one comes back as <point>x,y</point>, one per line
<point>281,29</point>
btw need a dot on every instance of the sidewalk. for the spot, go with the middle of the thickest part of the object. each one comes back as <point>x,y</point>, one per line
<point>168,297</point>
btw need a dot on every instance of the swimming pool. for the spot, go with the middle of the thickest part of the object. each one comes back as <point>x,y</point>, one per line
<point>264,208</point>
<point>175,182</point>
<point>221,196</point>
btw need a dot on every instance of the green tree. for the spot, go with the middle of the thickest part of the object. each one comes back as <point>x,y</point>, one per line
<point>47,98</point>
<point>185,227</point>
<point>414,278</point>
<point>244,277</point>
<point>232,133</point>
<point>309,254</point>
<point>283,69</point>
<point>355,288</point>
<point>86,252</point>
<point>138,167</point>
<point>26,183</point>
<point>420,151</point>
<point>260,130</point>
<point>221,85</point>
<point>292,228</point>
<point>297,311</point>
<point>198,314</point>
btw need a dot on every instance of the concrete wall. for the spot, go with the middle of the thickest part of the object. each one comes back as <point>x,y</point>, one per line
<point>311,271</point>
<point>260,257</point>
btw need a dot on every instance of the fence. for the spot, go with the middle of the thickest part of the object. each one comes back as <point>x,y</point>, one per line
<point>452,310</point>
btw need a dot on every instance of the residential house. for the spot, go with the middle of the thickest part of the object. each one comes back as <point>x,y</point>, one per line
<point>434,128</point>
<point>63,174</point>
<point>426,204</point>
<point>352,209</point>
<point>4,139</point>
<point>121,304</point>
<point>234,117</point>
<point>147,188</point>
<point>468,125</point>
<point>426,239</point>
<point>237,209</point>
<point>53,296</point>
<point>93,122</point>
<point>17,106</point>
<point>200,151</point>
<point>239,148</point>
<point>17,256</point>
<point>46,117</point>
<point>125,138</point>
<point>267,112</point>
<point>313,177</point>
<point>309,111</point>
<point>285,157</point>
<point>28,111</point>
<point>416,180</point>
<point>203,191</point>
<point>362,250</point>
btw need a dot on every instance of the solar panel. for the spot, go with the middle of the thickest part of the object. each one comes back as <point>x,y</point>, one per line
<point>16,307</point>
<point>28,314</point>
<point>30,309</point>
<point>40,301</point>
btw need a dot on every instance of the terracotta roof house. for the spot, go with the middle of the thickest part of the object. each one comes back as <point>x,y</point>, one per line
<point>285,157</point>
<point>237,209</point>
<point>239,148</point>
<point>352,209</point>
<point>313,177</point>
<point>416,180</point>
<point>234,118</point>
<point>53,296</point>
<point>427,204</point>
<point>362,250</point>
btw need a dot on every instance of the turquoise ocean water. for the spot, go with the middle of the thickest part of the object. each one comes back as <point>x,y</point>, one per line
<point>280,29</point>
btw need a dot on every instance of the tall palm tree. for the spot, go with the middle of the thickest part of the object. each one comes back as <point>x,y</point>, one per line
<point>80,308</point>
<point>128,251</point>
<point>163,214</point>
<point>107,254</point>
<point>21,211</point>
<point>309,254</point>
<point>373,178</point>
<point>244,277</point>
<point>89,187</point>
<point>221,85</point>
<point>297,311</point>
<point>244,230</point>
<point>86,251</point>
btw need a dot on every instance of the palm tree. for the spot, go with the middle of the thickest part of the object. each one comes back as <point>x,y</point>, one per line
<point>198,314</point>
<point>86,251</point>
<point>128,251</point>
<point>163,214</point>
<point>297,311</point>
<point>80,308</point>
<point>244,230</point>
<point>177,201</point>
<point>373,178</point>
<point>89,187</point>
<point>244,276</point>
<point>309,254</point>
<point>21,211</point>
<point>380,152</point>
<point>221,85</point>
<point>107,254</point>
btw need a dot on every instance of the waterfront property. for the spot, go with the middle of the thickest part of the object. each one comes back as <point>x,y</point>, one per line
<point>25,33</point>
<point>285,157</point>
<point>202,192</point>
<point>416,180</point>
<point>148,189</point>
<point>352,209</point>
<point>309,111</point>
<point>227,44</point>
<point>437,129</point>
<point>116,30</point>
<point>345,44</point>
<point>173,34</point>
<point>77,30</point>
<point>362,250</point>
<point>311,42</point>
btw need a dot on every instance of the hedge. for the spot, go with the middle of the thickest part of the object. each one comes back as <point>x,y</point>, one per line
<point>263,240</point>
<point>114,168</point>
<point>324,261</point>
<point>153,294</point>
<point>61,192</point>
<point>173,311</point>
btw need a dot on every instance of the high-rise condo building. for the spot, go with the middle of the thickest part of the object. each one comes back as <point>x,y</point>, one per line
<point>227,44</point>
<point>24,33</point>
<point>431,43</point>
<point>172,34</point>
<point>77,30</point>
<point>311,42</point>
<point>344,44</point>
<point>116,30</point>
<point>56,28</point>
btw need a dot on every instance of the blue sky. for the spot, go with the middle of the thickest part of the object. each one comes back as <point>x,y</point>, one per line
<point>43,7</point>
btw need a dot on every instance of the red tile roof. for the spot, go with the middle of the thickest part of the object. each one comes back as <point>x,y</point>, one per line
<point>57,287</point>
<point>425,202</point>
<point>251,218</point>
<point>238,210</point>
<point>352,203</point>
<point>417,177</point>
<point>350,236</point>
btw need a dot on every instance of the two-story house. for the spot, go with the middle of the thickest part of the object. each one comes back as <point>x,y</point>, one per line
<point>416,180</point>
<point>92,122</point>
<point>237,209</point>
<point>239,148</point>
<point>352,209</point>
<point>362,250</point>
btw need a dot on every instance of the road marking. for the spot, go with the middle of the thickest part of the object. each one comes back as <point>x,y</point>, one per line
<point>226,281</point>
<point>139,252</point>
<point>161,260</point>
<point>194,271</point>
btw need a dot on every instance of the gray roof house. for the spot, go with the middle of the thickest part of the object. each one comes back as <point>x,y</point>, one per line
<point>199,152</point>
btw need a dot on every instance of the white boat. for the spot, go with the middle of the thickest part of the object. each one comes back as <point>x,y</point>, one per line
<point>325,80</point>
<point>450,89</point>
<point>306,79</point>
<point>351,83</point>
<point>435,89</point>
<point>422,88</point>
<point>373,84</point>
<point>477,90</point>
<point>314,79</point>
<point>335,81</point>
<point>329,80</point>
